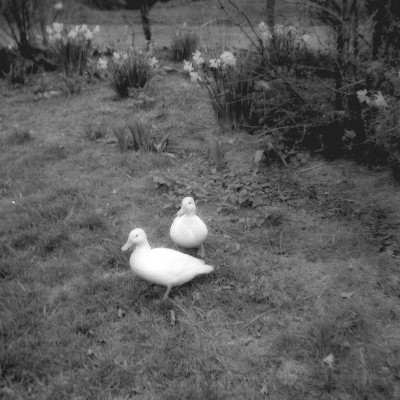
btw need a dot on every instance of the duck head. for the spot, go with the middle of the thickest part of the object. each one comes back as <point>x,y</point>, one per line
<point>188,206</point>
<point>136,237</point>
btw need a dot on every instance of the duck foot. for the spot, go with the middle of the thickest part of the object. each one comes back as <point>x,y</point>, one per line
<point>165,297</point>
<point>200,252</point>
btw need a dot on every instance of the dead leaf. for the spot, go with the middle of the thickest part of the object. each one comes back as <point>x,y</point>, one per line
<point>264,389</point>
<point>258,156</point>
<point>329,360</point>
<point>346,295</point>
<point>121,312</point>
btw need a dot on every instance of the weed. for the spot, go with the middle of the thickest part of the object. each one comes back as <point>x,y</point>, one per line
<point>183,44</point>
<point>141,134</point>
<point>95,130</point>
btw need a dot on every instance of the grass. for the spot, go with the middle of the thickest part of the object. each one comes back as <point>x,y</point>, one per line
<point>319,276</point>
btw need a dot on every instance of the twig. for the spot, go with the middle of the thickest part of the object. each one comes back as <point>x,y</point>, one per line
<point>363,366</point>
<point>256,318</point>
<point>313,167</point>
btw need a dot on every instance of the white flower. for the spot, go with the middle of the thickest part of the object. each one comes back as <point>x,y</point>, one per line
<point>49,30</point>
<point>58,27</point>
<point>102,63</point>
<point>58,6</point>
<point>292,29</point>
<point>57,36</point>
<point>72,34</point>
<point>363,96</point>
<point>306,37</point>
<point>96,29</point>
<point>267,35</point>
<point>187,66</point>
<point>153,62</point>
<point>83,28</point>
<point>278,28</point>
<point>124,56</point>
<point>215,62</point>
<point>379,101</point>
<point>195,77</point>
<point>262,26</point>
<point>116,56</point>
<point>88,35</point>
<point>197,58</point>
<point>228,58</point>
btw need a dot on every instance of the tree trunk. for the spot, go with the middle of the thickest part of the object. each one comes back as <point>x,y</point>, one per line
<point>144,11</point>
<point>271,13</point>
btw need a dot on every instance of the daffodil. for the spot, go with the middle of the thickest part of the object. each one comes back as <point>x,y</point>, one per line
<point>363,96</point>
<point>379,101</point>
<point>228,58</point>
<point>197,58</point>
<point>153,62</point>
<point>102,63</point>
<point>58,27</point>
<point>195,77</point>
<point>58,6</point>
<point>187,66</point>
<point>215,62</point>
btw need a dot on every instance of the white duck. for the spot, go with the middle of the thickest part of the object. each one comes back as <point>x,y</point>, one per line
<point>162,266</point>
<point>188,230</point>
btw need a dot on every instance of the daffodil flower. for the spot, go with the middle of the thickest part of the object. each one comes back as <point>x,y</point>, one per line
<point>58,27</point>
<point>187,66</point>
<point>228,58</point>
<point>197,58</point>
<point>379,101</point>
<point>195,77</point>
<point>58,6</point>
<point>102,63</point>
<point>362,96</point>
<point>153,62</point>
<point>215,62</point>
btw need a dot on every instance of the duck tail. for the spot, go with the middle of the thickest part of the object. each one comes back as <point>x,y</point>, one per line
<point>207,269</point>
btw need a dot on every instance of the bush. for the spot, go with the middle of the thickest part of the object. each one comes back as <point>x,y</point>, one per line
<point>127,70</point>
<point>183,44</point>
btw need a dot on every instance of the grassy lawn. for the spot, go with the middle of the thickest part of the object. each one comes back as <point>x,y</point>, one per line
<point>304,299</point>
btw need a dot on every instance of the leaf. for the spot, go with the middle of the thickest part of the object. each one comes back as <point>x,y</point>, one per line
<point>259,156</point>
<point>121,312</point>
<point>329,360</point>
<point>264,389</point>
<point>346,295</point>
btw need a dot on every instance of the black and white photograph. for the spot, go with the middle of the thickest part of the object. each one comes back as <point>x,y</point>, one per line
<point>200,199</point>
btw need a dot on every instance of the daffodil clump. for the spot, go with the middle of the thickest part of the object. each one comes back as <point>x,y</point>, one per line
<point>71,46</point>
<point>229,82</point>
<point>283,43</point>
<point>127,71</point>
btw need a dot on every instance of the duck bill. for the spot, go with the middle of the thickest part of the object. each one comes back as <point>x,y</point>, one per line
<point>126,246</point>
<point>180,212</point>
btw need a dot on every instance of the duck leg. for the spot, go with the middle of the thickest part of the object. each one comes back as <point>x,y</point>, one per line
<point>167,292</point>
<point>200,252</point>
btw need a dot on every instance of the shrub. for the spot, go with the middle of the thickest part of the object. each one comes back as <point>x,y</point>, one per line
<point>183,44</point>
<point>230,83</point>
<point>71,47</point>
<point>13,67</point>
<point>127,70</point>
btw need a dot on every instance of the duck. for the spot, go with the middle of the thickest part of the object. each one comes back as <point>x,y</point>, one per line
<point>162,266</point>
<point>187,229</point>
